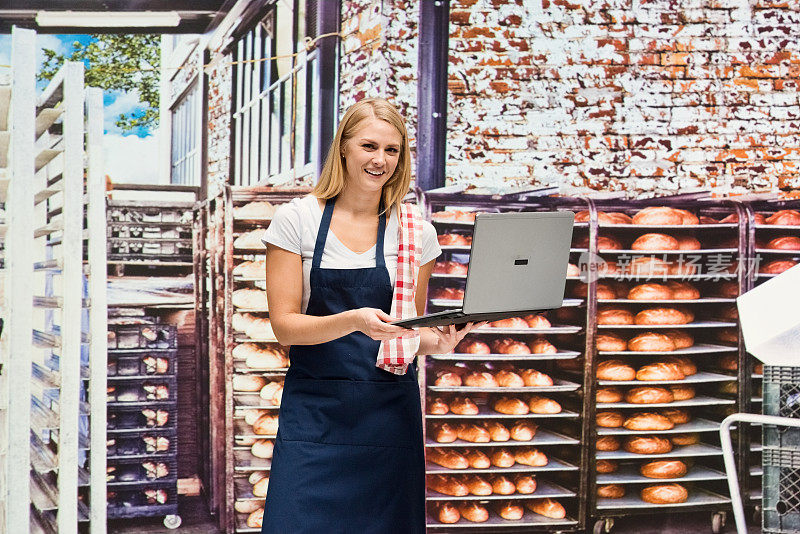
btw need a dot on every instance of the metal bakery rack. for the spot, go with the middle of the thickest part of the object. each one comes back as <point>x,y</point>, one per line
<point>559,435</point>
<point>231,226</point>
<point>56,280</point>
<point>718,271</point>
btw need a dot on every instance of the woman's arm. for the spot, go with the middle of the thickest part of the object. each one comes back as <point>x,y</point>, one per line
<point>285,297</point>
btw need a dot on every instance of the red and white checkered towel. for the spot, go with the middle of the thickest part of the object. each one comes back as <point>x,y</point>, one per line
<point>395,355</point>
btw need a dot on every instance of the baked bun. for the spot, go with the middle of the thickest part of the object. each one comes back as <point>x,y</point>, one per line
<point>784,218</point>
<point>247,507</point>
<point>447,379</point>
<point>726,289</point>
<point>650,292</point>
<point>463,406</point>
<point>681,440</point>
<point>681,393</point>
<point>448,458</point>
<point>665,494</point>
<point>607,443</point>
<point>473,511</point>
<point>655,241</point>
<point>262,448</point>
<point>534,378</point>
<point>615,370</point>
<point>609,419</point>
<point>507,345</point>
<point>660,371</point>
<point>727,335</point>
<point>648,266</point>
<point>447,485</point>
<point>614,315</point>
<point>610,491</point>
<point>547,508</point>
<point>530,456</point>
<point>537,321</point>
<point>678,416</point>
<point>478,379</point>
<point>509,510</point>
<point>663,469</point>
<point>444,433</point>
<point>473,433</point>
<point>648,421</point>
<point>543,405</point>
<point>477,485</point>
<point>784,243</point>
<point>651,342</point>
<point>608,243</point>
<point>478,460</point>
<point>610,342</point>
<point>472,346</point>
<point>251,269</point>
<point>436,406</point>
<point>497,431</point>
<point>525,484</point>
<point>607,395</point>
<point>648,395</point>
<point>248,383</point>
<point>249,298</point>
<point>256,519</point>
<point>264,357</point>
<point>619,218</point>
<point>573,270</point>
<point>662,316</point>
<point>517,323</point>
<point>683,290</point>
<point>705,219</point>
<point>681,338</point>
<point>606,466</point>
<point>510,406</point>
<point>540,345</point>
<point>503,458</point>
<point>658,215</point>
<point>647,445</point>
<point>777,266</point>
<point>686,365</point>
<point>266,425</point>
<point>687,242</point>
<point>251,239</point>
<point>508,379</point>
<point>447,513</point>
<point>605,291</point>
<point>729,362</point>
<point>454,240</point>
<point>523,431</point>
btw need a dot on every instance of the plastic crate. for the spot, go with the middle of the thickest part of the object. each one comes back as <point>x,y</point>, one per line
<point>781,491</point>
<point>140,391</point>
<point>141,249</point>
<point>124,503</point>
<point>149,214</point>
<point>126,418</point>
<point>132,473</point>
<point>156,363</point>
<point>140,444</point>
<point>122,231</point>
<point>782,398</point>
<point>142,336</point>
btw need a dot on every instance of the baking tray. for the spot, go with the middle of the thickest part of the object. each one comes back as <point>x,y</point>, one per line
<point>555,329</point>
<point>777,251</point>
<point>243,339</point>
<point>697,497</point>
<point>450,303</point>
<point>243,430</point>
<point>247,401</point>
<point>529,519</point>
<point>657,227</point>
<point>485,413</point>
<point>240,367</point>
<point>629,474</point>
<point>756,446</point>
<point>652,252</point>
<point>695,425</point>
<point>241,524</point>
<point>790,227</point>
<point>699,449</point>
<point>244,490</point>
<point>542,437</point>
<point>245,462</point>
<point>756,471</point>
<point>451,248</point>
<point>702,300</point>
<point>558,386</point>
<point>560,355</point>
<point>554,464</point>
<point>700,400</point>
<point>544,489</point>
<point>652,277</point>
<point>696,324</point>
<point>698,378</point>
<point>700,348</point>
<point>249,278</point>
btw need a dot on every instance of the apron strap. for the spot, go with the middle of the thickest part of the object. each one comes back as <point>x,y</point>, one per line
<point>325,224</point>
<point>380,261</point>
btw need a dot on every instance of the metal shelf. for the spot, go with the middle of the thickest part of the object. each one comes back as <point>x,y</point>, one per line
<point>697,324</point>
<point>700,400</point>
<point>701,377</point>
<point>700,449</point>
<point>700,348</point>
<point>560,355</point>
<point>558,386</point>
<point>529,520</point>
<point>544,489</point>
<point>543,437</point>
<point>553,464</point>
<point>484,412</point>
<point>696,425</point>
<point>697,497</point>
<point>629,474</point>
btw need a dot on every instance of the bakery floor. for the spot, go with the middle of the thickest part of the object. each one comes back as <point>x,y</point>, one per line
<point>196,520</point>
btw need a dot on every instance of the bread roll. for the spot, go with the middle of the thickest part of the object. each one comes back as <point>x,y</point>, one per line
<point>681,338</point>
<point>681,440</point>
<point>534,378</point>
<point>447,513</point>
<point>473,433</point>
<point>256,519</point>
<point>503,458</point>
<point>251,239</point>
<point>604,242</point>
<point>784,218</point>
<point>728,335</point>
<point>683,290</point>
<point>444,433</point>
<point>610,342</point>
<point>784,243</point>
<point>605,291</point>
<point>660,371</point>
<point>507,345</point>
<point>729,362</point>
<point>258,209</point>
<point>510,406</point>
<point>686,365</point>
<point>647,445</point>
<point>477,459</point>
<point>662,315</point>
<point>448,458</point>
<point>777,266</point>
<point>248,383</point>
<point>266,358</point>
<point>266,425</point>
<point>497,431</point>
<point>529,456</point>
<point>472,346</point>
<point>658,215</point>
<point>255,476</point>
<point>610,491</point>
<point>436,406</point>
<point>615,370</point>
<point>262,448</point>
<point>573,270</point>
<point>240,321</point>
<point>607,443</point>
<point>651,342</point>
<point>537,321</point>
<point>728,313</point>
<point>687,242</point>
<point>681,393</point>
<point>665,494</point>
<point>454,240</point>
<point>478,379</point>
<point>477,485</point>
<point>619,217</point>
<point>648,266</point>
<point>606,466</point>
<point>655,241</point>
<point>543,405</point>
<point>269,390</point>
<point>517,323</point>
<point>447,379</point>
<point>648,422</point>
<point>447,485</point>
<point>663,469</point>
<point>251,269</point>
<point>547,508</point>
<point>248,506</point>
<point>501,485</point>
<point>614,315</point>
<point>609,419</point>
<point>609,395</point>
<point>473,511</point>
<point>731,388</point>
<point>525,484</point>
<point>523,431</point>
<point>540,345</point>
<point>260,487</point>
<point>687,216</point>
<point>648,395</point>
<point>677,415</point>
<point>650,292</point>
<point>249,298</point>
<point>508,379</point>
<point>509,510</point>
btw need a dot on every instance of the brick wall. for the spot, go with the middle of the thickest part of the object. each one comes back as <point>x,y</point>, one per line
<point>219,120</point>
<point>648,96</point>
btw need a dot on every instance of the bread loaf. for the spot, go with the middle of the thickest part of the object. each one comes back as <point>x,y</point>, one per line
<point>547,508</point>
<point>681,338</point>
<point>258,209</point>
<point>248,383</point>
<point>665,494</point>
<point>478,460</point>
<point>683,290</point>
<point>648,421</point>
<point>687,242</point>
<point>247,506</point>
<point>478,379</point>
<point>650,292</point>
<point>503,458</point>
<point>473,433</point>
<point>258,357</point>
<point>784,243</point>
<point>447,513</point>
<point>648,395</point>
<point>472,346</point>
<point>507,345</point>
<point>473,511</point>
<point>266,425</point>
<point>681,393</point>
<point>777,266</point>
<point>663,469</point>
<point>260,328</point>
<point>534,378</point>
<point>502,485</point>
<point>608,395</point>
<point>436,406</point>
<point>255,519</point>
<point>609,419</point>
<point>540,345</point>
<point>262,448</point>
<point>477,485</point>
<point>610,491</point>
<point>517,323</point>
<point>260,487</point>
<point>497,431</point>
<point>508,379</point>
<point>510,406</point>
<point>454,240</point>
<point>609,342</point>
<point>729,362</point>
<point>658,215</point>
<point>615,370</point>
<point>687,217</point>
<point>447,379</point>
<point>605,290</point>
<point>543,405</point>
<point>447,485</point>
<point>529,456</point>
<point>651,342</point>
<point>648,266</point>
<point>509,510</point>
<point>660,371</point>
<point>537,321</point>
<point>607,443</point>
<point>681,440</point>
<point>686,365</point>
<point>647,445</point>
<point>523,431</point>
<point>677,415</point>
<point>655,241</point>
<point>251,269</point>
<point>448,458</point>
<point>611,315</point>
<point>249,298</point>
<point>663,315</point>
<point>250,240</point>
<point>606,466</point>
<point>784,218</point>
<point>525,484</point>
<point>444,433</point>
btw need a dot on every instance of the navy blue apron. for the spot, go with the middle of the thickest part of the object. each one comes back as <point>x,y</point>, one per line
<point>348,457</point>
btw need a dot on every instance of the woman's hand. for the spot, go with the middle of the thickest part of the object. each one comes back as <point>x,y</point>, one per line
<point>375,324</point>
<point>449,337</point>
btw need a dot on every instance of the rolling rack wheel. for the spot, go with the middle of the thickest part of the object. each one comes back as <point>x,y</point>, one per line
<point>603,525</point>
<point>718,522</point>
<point>172,521</point>
<point>755,514</point>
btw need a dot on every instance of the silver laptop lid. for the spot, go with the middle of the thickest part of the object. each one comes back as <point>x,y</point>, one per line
<point>518,261</point>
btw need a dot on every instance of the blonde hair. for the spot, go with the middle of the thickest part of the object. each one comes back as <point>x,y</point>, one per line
<point>331,180</point>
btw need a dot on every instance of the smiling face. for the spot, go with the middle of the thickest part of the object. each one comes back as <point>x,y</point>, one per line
<point>371,155</point>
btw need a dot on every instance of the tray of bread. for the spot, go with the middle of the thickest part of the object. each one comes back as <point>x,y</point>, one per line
<point>244,401</point>
<point>498,408</point>
<point>252,487</point>
<point>659,471</point>
<point>534,513</point>
<point>451,487</point>
<point>700,377</point>
<point>557,386</point>
<point>669,497</point>
<point>264,426</point>
<point>650,423</point>
<point>695,324</point>
<point>645,444</point>
<point>700,348</point>
<point>700,400</point>
<point>541,437</point>
<point>487,462</point>
<point>558,355</point>
<point>245,462</point>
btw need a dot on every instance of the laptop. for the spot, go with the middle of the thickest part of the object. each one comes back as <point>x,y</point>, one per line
<point>517,265</point>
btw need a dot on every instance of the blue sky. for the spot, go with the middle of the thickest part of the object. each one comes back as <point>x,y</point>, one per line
<point>129,156</point>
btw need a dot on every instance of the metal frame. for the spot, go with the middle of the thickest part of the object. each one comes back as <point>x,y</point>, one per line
<point>327,78</point>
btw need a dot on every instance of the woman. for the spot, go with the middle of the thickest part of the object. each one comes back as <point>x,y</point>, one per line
<point>349,452</point>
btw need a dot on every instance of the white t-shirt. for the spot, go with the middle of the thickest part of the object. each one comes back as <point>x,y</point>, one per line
<point>294,228</point>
